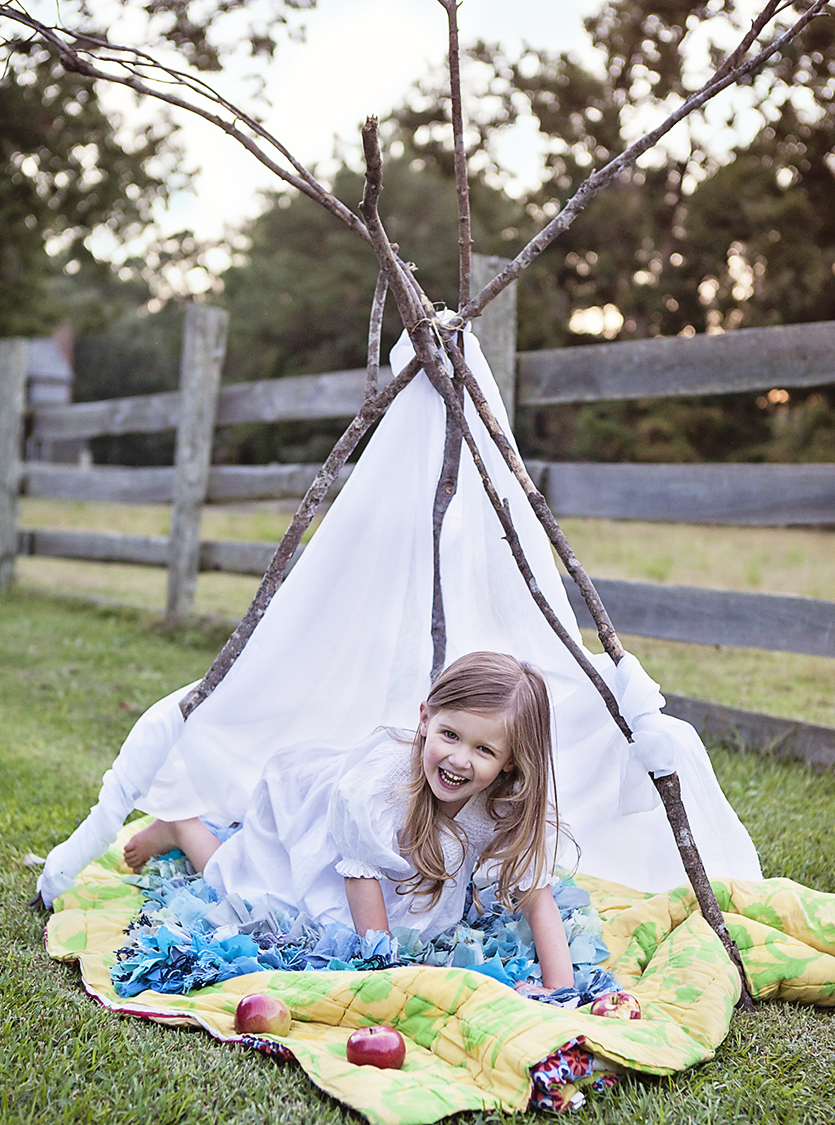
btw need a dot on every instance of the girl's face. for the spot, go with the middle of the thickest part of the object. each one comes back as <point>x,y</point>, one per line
<point>464,753</point>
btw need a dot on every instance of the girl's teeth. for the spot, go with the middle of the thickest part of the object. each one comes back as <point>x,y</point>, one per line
<point>451,778</point>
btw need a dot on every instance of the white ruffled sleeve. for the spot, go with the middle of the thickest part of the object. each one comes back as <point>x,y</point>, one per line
<point>366,810</point>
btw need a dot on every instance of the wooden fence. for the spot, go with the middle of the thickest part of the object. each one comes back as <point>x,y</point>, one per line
<point>749,359</point>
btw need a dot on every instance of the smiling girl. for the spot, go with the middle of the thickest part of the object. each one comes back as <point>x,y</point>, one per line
<point>392,833</point>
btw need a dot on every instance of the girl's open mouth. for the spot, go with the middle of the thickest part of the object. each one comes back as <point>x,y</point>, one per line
<point>451,780</point>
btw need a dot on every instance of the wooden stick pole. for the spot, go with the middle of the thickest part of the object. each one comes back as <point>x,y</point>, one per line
<point>669,789</point>
<point>375,331</point>
<point>465,238</point>
<point>447,487</point>
<point>204,348</point>
<point>14,362</point>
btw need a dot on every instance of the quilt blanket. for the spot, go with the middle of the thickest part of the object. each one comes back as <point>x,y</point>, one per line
<point>471,1040</point>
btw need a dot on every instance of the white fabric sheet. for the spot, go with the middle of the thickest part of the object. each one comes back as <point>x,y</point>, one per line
<point>345,647</point>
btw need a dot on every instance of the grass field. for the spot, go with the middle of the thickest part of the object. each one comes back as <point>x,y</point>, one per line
<point>766,560</point>
<point>74,677</point>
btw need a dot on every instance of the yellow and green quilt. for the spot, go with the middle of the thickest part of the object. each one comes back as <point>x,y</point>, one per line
<point>471,1040</point>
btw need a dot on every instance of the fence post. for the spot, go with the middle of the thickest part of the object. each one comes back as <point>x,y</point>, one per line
<point>14,363</point>
<point>496,328</point>
<point>204,347</point>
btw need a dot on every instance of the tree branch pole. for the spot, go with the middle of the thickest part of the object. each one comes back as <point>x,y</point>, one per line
<point>436,372</point>
<point>597,181</point>
<point>446,489</point>
<point>433,361</point>
<point>370,411</point>
<point>462,187</point>
<point>669,790</point>
<point>74,60</point>
<point>277,571</point>
<point>668,787</point>
<point>375,331</point>
<point>448,479</point>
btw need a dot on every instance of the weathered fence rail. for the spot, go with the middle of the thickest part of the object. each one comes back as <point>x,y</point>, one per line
<point>779,623</point>
<point>121,485</point>
<point>749,359</point>
<point>745,360</point>
<point>336,394</point>
<point>768,495</point>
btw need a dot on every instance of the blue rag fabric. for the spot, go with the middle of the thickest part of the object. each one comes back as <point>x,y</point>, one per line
<point>185,937</point>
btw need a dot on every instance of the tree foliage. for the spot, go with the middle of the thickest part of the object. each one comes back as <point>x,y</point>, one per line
<point>66,171</point>
<point>204,33</point>
<point>708,236</point>
<point>300,301</point>
<point>69,168</point>
<point>700,239</point>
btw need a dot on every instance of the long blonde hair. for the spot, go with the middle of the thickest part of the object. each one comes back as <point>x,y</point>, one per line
<point>521,800</point>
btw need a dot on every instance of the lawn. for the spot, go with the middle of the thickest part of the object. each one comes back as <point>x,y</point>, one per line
<point>74,676</point>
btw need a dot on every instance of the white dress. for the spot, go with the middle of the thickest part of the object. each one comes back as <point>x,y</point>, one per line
<point>319,815</point>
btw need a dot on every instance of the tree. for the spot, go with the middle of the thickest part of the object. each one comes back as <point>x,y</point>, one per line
<point>65,173</point>
<point>68,167</point>
<point>703,240</point>
<point>206,33</point>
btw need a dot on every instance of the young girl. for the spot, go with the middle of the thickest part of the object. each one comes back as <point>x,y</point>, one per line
<point>391,833</point>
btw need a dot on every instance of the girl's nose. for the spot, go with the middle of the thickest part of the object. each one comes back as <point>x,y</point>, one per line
<point>459,757</point>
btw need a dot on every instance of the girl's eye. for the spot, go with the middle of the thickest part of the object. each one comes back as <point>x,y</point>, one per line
<point>487,750</point>
<point>449,734</point>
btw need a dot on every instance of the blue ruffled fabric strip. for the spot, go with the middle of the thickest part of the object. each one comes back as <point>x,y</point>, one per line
<point>186,937</point>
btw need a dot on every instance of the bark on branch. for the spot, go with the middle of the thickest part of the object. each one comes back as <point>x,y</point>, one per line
<point>446,489</point>
<point>375,330</point>
<point>465,238</point>
<point>668,787</point>
<point>669,790</point>
<point>435,370</point>
<point>395,272</point>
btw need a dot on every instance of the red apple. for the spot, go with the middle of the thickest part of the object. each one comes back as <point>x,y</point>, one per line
<point>262,1013</point>
<point>381,1046</point>
<point>617,1005</point>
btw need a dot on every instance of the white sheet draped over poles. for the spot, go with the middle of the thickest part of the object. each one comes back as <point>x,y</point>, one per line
<point>345,646</point>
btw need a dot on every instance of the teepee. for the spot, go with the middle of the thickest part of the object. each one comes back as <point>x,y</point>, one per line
<point>431,550</point>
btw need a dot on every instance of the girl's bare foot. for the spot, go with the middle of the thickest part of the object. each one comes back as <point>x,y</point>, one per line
<point>190,836</point>
<point>157,839</point>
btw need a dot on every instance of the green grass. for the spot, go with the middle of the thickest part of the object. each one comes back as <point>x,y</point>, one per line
<point>73,677</point>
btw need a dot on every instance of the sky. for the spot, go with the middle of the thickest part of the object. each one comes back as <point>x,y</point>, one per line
<point>359,57</point>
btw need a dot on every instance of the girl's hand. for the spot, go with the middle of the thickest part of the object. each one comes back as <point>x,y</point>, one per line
<point>531,990</point>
